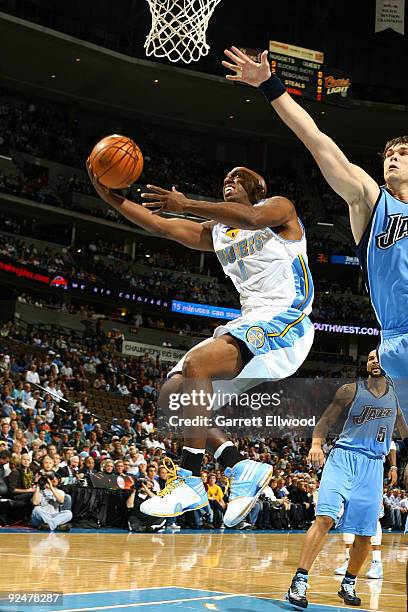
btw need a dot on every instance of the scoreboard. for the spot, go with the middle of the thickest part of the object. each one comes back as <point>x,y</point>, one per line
<point>304,73</point>
<point>301,70</point>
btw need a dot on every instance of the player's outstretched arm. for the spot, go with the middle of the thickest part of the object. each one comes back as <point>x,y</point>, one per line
<point>276,211</point>
<point>194,235</point>
<point>349,181</point>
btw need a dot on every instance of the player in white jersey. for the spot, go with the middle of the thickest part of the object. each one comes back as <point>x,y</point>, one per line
<point>261,244</point>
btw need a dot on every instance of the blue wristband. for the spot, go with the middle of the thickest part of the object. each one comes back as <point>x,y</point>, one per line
<point>272,88</point>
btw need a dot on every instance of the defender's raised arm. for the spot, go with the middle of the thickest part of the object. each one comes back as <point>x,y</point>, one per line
<point>349,181</point>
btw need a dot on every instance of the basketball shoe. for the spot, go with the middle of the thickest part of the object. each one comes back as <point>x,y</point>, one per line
<point>376,570</point>
<point>182,492</point>
<point>296,594</point>
<point>340,571</point>
<point>347,593</point>
<point>248,479</point>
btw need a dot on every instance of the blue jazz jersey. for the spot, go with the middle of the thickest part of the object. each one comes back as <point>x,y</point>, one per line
<point>370,422</point>
<point>383,256</point>
<point>353,474</point>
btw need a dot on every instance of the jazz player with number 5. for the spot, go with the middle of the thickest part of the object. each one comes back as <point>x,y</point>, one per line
<point>353,475</point>
<point>378,215</point>
<point>261,244</point>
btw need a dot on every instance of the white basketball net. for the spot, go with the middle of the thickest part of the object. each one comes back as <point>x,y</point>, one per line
<point>179,28</point>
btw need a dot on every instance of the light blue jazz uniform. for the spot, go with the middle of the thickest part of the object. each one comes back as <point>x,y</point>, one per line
<point>353,474</point>
<point>383,255</point>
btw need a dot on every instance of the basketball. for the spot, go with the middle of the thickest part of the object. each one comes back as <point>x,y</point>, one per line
<point>117,161</point>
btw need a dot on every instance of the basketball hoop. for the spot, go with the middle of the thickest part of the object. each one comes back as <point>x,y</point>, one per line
<point>179,28</point>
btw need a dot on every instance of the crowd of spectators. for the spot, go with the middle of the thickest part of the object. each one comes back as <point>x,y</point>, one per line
<point>341,305</point>
<point>40,128</point>
<point>48,428</point>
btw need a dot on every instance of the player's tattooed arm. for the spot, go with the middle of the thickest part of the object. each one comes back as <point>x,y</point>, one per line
<point>343,398</point>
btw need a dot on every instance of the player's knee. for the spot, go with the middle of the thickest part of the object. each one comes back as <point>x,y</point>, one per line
<point>363,541</point>
<point>348,538</point>
<point>195,366</point>
<point>324,523</point>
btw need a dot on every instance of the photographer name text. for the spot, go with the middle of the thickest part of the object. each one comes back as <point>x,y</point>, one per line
<point>254,421</point>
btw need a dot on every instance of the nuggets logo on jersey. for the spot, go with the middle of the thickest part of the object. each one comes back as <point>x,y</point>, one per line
<point>232,232</point>
<point>255,336</point>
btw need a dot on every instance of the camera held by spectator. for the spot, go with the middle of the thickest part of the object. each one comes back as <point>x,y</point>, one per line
<point>137,520</point>
<point>52,507</point>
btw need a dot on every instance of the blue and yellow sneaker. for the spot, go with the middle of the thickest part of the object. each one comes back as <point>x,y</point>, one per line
<point>183,492</point>
<point>248,479</point>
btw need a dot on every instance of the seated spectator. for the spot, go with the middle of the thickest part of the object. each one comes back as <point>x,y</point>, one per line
<point>31,432</point>
<point>99,382</point>
<point>89,466</point>
<point>135,406</point>
<point>69,473</point>
<point>204,517</point>
<point>93,441</point>
<point>142,469</point>
<point>5,470</point>
<point>151,475</point>
<point>116,449</point>
<point>5,433</point>
<point>134,458</point>
<point>128,429</point>
<point>21,480</point>
<point>107,466</point>
<point>32,375</point>
<point>147,425</point>
<point>140,434</point>
<point>48,501</point>
<point>57,461</point>
<point>216,499</point>
<point>137,520</point>
<point>392,508</point>
<point>301,500</point>
<point>124,445</point>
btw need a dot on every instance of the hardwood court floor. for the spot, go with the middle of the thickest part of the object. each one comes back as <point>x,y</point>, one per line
<point>247,563</point>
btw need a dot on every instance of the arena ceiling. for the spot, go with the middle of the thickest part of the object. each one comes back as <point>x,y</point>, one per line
<point>30,55</point>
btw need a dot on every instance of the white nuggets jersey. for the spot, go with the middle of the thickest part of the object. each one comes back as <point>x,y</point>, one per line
<point>270,273</point>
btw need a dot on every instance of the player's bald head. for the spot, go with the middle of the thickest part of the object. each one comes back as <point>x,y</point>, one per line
<point>257,188</point>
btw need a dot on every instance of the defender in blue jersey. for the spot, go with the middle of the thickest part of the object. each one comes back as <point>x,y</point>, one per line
<point>353,475</point>
<point>378,216</point>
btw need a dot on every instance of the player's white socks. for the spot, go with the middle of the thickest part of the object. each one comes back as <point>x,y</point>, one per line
<point>377,555</point>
